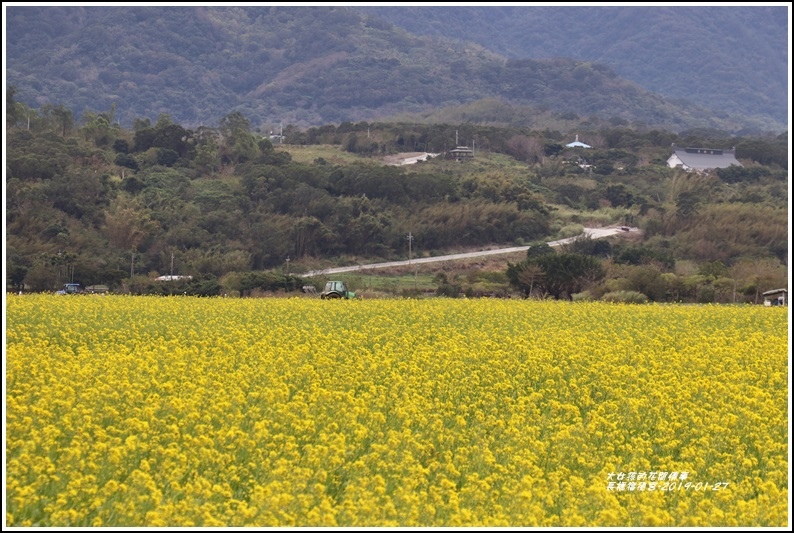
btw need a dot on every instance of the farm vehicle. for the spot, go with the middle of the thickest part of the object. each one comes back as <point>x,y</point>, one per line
<point>76,288</point>
<point>71,288</point>
<point>335,290</point>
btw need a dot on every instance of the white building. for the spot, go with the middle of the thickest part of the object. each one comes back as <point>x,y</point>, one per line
<point>172,278</point>
<point>775,297</point>
<point>702,158</point>
<point>577,144</point>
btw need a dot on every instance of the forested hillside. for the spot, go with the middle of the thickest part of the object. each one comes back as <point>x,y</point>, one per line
<point>90,201</point>
<point>732,58</point>
<point>305,66</point>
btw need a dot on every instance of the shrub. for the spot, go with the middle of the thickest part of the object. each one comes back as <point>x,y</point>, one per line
<point>584,296</point>
<point>626,297</point>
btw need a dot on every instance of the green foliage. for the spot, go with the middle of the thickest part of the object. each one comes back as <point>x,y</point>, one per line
<point>538,249</point>
<point>652,46</point>
<point>737,174</point>
<point>268,281</point>
<point>330,65</point>
<point>446,287</point>
<point>206,285</point>
<point>765,151</point>
<point>587,245</point>
<point>687,203</point>
<point>14,109</point>
<point>714,269</point>
<point>557,274</point>
<point>618,195</point>
<point>224,201</point>
<point>625,297</point>
<point>642,255</point>
<point>744,229</point>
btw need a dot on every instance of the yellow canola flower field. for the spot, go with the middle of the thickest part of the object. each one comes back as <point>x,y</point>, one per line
<point>147,411</point>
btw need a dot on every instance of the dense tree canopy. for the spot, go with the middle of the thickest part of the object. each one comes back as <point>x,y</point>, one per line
<point>89,201</point>
<point>313,65</point>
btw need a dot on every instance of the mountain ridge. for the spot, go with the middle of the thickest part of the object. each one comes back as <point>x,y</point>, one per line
<point>736,45</point>
<point>306,66</point>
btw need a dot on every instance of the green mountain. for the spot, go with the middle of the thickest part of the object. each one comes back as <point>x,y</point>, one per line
<point>302,66</point>
<point>732,58</point>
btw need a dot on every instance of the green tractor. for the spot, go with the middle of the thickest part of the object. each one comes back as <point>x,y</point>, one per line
<point>335,290</point>
<point>71,288</point>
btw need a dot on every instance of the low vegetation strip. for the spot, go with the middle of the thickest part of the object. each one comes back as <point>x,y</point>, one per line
<point>595,233</point>
<point>176,411</point>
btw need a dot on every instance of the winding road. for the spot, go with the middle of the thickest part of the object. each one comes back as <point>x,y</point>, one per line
<point>594,233</point>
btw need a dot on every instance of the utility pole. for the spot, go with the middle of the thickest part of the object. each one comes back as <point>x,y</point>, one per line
<point>287,266</point>
<point>132,264</point>
<point>410,254</point>
<point>172,265</point>
<point>60,267</point>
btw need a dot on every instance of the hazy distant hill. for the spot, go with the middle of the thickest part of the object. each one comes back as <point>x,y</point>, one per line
<point>302,65</point>
<point>732,58</point>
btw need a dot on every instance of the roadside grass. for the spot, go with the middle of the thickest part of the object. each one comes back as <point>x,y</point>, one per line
<point>482,163</point>
<point>394,283</point>
<point>480,274</point>
<point>332,154</point>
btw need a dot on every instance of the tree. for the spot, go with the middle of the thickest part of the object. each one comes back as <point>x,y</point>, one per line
<point>41,277</point>
<point>62,117</point>
<point>755,276</point>
<point>143,139</point>
<point>98,129</point>
<point>618,195</point>
<point>126,226</point>
<point>687,204</point>
<point>648,280</point>
<point>567,274</point>
<point>234,124</point>
<point>121,146</point>
<point>141,124</point>
<point>587,245</point>
<point>239,145</point>
<point>552,148</point>
<point>311,236</point>
<point>163,121</point>
<point>561,274</point>
<point>539,249</point>
<point>16,271</point>
<point>126,160</point>
<point>14,111</point>
<point>445,287</point>
<point>530,275</point>
<point>173,137</point>
<point>528,149</point>
<point>713,269</point>
<point>207,159</point>
<point>642,255</point>
<point>352,143</point>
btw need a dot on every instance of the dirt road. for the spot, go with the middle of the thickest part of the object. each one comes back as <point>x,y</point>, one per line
<point>595,233</point>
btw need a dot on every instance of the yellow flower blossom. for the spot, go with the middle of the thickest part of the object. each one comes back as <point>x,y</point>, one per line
<point>270,413</point>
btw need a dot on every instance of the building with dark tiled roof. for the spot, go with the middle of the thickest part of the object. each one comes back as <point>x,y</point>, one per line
<point>461,152</point>
<point>702,158</point>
